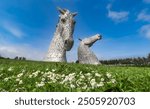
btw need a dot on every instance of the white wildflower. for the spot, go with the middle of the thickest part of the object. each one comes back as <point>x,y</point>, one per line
<point>47,69</point>
<point>6,79</point>
<point>97,74</point>
<point>20,82</point>
<point>19,75</point>
<point>93,71</point>
<point>52,77</point>
<point>89,78</point>
<point>58,76</point>
<point>63,76</point>
<point>80,72</point>
<point>30,76</point>
<point>23,71</point>
<point>54,80</point>
<point>108,75</point>
<point>35,74</point>
<point>16,90</point>
<point>93,83</point>
<point>1,75</point>
<point>49,72</point>
<point>88,74</point>
<point>43,79</point>
<point>72,86</point>
<point>71,74</point>
<point>82,76</point>
<point>42,72</point>
<point>53,70</point>
<point>66,79</point>
<point>71,77</point>
<point>40,84</point>
<point>93,80</point>
<point>102,79</point>
<point>10,69</point>
<point>84,87</point>
<point>78,82</point>
<point>113,81</point>
<point>100,84</point>
<point>49,76</point>
<point>17,79</point>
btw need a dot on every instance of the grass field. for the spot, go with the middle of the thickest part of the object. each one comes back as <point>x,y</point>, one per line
<point>31,76</point>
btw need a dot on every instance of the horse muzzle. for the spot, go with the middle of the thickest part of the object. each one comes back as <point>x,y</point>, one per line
<point>69,44</point>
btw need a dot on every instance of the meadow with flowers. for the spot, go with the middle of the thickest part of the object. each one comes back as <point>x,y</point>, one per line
<point>33,76</point>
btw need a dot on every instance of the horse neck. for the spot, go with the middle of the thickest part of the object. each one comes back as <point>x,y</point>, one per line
<point>58,40</point>
<point>89,41</point>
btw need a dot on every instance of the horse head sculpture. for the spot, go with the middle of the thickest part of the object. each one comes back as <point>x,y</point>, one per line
<point>91,40</point>
<point>85,55</point>
<point>67,22</point>
<point>63,37</point>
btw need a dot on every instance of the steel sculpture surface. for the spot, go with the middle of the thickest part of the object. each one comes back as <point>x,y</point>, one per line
<point>63,37</point>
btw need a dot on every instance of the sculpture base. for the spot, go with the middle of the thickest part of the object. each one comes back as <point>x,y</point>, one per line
<point>55,60</point>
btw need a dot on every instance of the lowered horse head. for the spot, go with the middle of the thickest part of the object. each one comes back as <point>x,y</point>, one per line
<point>67,23</point>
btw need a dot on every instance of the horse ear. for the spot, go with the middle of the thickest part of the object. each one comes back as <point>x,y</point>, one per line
<point>80,39</point>
<point>61,10</point>
<point>74,14</point>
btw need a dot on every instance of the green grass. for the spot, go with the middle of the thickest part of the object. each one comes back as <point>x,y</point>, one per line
<point>32,76</point>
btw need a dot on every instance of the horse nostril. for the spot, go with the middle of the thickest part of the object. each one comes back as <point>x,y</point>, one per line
<point>99,36</point>
<point>65,41</point>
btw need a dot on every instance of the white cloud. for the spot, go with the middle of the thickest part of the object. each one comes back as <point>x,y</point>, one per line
<point>13,29</point>
<point>144,16</point>
<point>117,16</point>
<point>145,31</point>
<point>146,1</point>
<point>11,50</point>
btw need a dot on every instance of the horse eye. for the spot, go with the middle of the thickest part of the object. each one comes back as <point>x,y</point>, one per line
<point>63,20</point>
<point>74,22</point>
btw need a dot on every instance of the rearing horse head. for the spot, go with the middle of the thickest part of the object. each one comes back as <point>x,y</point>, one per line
<point>67,22</point>
<point>91,40</point>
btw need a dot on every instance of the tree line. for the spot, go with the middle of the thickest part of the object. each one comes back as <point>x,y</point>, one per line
<point>16,58</point>
<point>139,61</point>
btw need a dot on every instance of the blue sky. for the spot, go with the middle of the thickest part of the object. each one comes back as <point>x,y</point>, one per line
<point>27,26</point>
